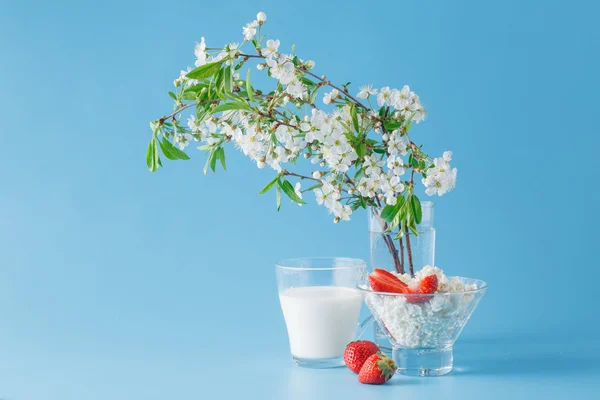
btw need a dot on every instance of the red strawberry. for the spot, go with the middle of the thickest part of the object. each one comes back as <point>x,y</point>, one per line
<point>427,285</point>
<point>383,281</point>
<point>357,352</point>
<point>378,369</point>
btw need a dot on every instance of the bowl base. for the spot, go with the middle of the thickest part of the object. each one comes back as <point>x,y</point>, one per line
<point>319,363</point>
<point>423,361</point>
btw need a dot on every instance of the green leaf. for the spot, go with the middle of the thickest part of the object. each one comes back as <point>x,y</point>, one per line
<point>151,156</point>
<point>205,71</point>
<point>388,213</point>
<point>221,156</point>
<point>269,185</point>
<point>196,88</point>
<point>157,162</point>
<point>354,118</point>
<point>313,96</point>
<point>363,202</point>
<point>308,82</point>
<point>237,105</point>
<point>172,152</point>
<point>227,86</point>
<point>414,162</point>
<point>392,125</point>
<point>313,187</point>
<point>278,195</point>
<point>415,205</point>
<point>413,227</point>
<point>359,173</point>
<point>400,210</point>
<point>379,151</point>
<point>189,95</point>
<point>154,126</point>
<point>213,160</point>
<point>361,150</point>
<point>172,95</point>
<point>288,189</point>
<point>167,150</point>
<point>248,86</point>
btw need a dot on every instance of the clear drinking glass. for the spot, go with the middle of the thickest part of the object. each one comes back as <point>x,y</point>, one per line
<point>422,328</point>
<point>392,255</point>
<point>321,306</point>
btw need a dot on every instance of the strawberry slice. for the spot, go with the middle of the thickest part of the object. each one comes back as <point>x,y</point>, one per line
<point>383,281</point>
<point>427,285</point>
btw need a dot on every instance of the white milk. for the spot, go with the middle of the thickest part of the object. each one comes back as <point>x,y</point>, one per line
<point>321,320</point>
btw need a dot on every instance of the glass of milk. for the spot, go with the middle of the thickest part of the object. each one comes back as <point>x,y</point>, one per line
<point>321,306</point>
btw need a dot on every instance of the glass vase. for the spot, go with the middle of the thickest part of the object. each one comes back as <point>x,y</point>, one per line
<point>393,254</point>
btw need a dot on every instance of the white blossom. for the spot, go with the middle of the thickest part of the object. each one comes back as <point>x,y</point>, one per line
<point>298,190</point>
<point>441,178</point>
<point>397,144</point>
<point>249,30</point>
<point>271,49</point>
<point>395,165</point>
<point>184,80</point>
<point>366,91</point>
<point>261,17</point>
<point>331,96</point>
<point>372,165</point>
<point>387,96</point>
<point>200,53</point>
<point>183,140</point>
<point>296,89</point>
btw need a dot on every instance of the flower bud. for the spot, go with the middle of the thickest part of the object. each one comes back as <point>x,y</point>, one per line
<point>385,137</point>
<point>316,174</point>
<point>260,67</point>
<point>306,118</point>
<point>260,164</point>
<point>378,124</point>
<point>310,64</point>
<point>306,155</point>
<point>380,196</point>
<point>261,17</point>
<point>322,163</point>
<point>336,220</point>
<point>377,130</point>
<point>397,114</point>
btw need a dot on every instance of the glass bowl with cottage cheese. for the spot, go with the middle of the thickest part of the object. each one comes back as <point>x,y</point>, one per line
<point>422,328</point>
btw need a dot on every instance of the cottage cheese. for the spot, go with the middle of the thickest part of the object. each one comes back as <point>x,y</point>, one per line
<point>434,323</point>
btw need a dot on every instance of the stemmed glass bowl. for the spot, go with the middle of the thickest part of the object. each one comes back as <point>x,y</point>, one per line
<point>422,328</point>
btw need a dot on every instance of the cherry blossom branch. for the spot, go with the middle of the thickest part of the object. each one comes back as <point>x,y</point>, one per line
<point>163,119</point>
<point>286,172</point>
<point>387,238</point>
<point>328,83</point>
<point>321,79</point>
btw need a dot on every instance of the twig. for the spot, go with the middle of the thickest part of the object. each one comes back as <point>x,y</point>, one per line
<point>409,251</point>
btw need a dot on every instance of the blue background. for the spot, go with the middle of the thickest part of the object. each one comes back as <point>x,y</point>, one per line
<point>122,284</point>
